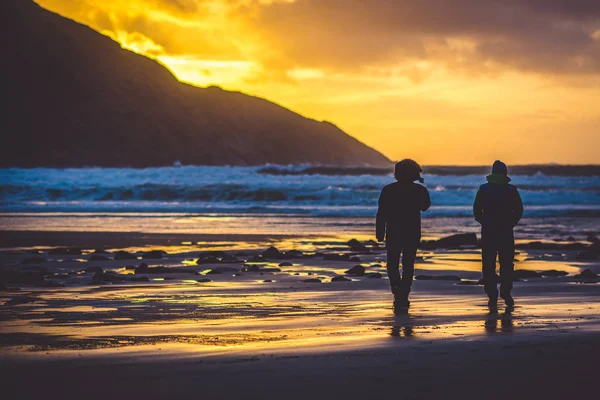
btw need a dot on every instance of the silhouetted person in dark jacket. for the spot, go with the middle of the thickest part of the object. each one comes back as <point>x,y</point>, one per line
<point>498,208</point>
<point>399,223</point>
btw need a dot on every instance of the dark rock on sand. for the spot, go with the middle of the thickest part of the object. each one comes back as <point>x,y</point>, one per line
<point>595,248</point>
<point>357,270</point>
<point>295,254</point>
<point>271,252</point>
<point>208,260</point>
<point>461,239</point>
<point>153,255</point>
<point>98,257</point>
<point>525,274</point>
<point>250,268</point>
<point>286,264</point>
<point>141,269</point>
<point>123,255</point>
<point>437,278</point>
<point>538,246</point>
<point>554,273</point>
<point>340,278</point>
<point>33,260</point>
<point>94,270</point>
<point>204,280</point>
<point>586,274</point>
<point>108,277</point>
<point>215,257</point>
<point>312,280</point>
<point>355,245</point>
<point>374,275</point>
<point>268,280</point>
<point>130,267</point>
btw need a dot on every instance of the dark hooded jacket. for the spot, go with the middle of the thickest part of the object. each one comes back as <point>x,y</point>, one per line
<point>399,213</point>
<point>498,206</point>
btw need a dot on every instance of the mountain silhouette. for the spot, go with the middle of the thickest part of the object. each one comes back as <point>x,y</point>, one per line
<point>73,97</point>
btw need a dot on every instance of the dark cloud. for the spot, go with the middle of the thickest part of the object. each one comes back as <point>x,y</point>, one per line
<point>552,36</point>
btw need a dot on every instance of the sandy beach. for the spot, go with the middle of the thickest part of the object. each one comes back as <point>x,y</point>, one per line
<point>242,318</point>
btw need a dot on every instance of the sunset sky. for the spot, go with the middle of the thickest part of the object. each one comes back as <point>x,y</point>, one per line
<point>442,81</point>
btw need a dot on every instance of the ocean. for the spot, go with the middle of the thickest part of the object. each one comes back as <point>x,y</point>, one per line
<point>559,201</point>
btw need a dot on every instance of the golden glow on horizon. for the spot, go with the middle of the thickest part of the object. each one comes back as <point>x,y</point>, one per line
<point>439,100</point>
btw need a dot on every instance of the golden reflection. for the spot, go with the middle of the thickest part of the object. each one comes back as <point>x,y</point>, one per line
<point>495,323</point>
<point>403,324</point>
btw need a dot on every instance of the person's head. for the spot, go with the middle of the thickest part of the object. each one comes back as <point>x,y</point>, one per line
<point>499,168</point>
<point>408,170</point>
<point>499,174</point>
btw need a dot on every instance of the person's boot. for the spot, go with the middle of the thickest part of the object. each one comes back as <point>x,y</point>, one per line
<point>492,291</point>
<point>508,300</point>
<point>400,297</point>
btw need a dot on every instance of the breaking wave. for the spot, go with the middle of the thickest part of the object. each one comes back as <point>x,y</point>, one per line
<point>278,189</point>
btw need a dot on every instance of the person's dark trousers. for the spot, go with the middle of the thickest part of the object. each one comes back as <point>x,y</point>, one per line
<point>409,254</point>
<point>502,246</point>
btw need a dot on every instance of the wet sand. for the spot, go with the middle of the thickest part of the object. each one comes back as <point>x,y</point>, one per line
<point>268,332</point>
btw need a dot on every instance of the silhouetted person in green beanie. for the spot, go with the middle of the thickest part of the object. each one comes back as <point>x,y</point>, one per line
<point>498,208</point>
<point>399,223</point>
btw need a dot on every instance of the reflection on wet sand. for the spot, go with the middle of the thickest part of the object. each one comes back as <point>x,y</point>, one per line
<point>245,316</point>
<point>403,323</point>
<point>496,322</point>
<point>251,302</point>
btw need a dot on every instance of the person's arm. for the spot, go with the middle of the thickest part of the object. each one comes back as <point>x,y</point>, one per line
<point>477,209</point>
<point>518,208</point>
<point>426,200</point>
<point>381,221</point>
